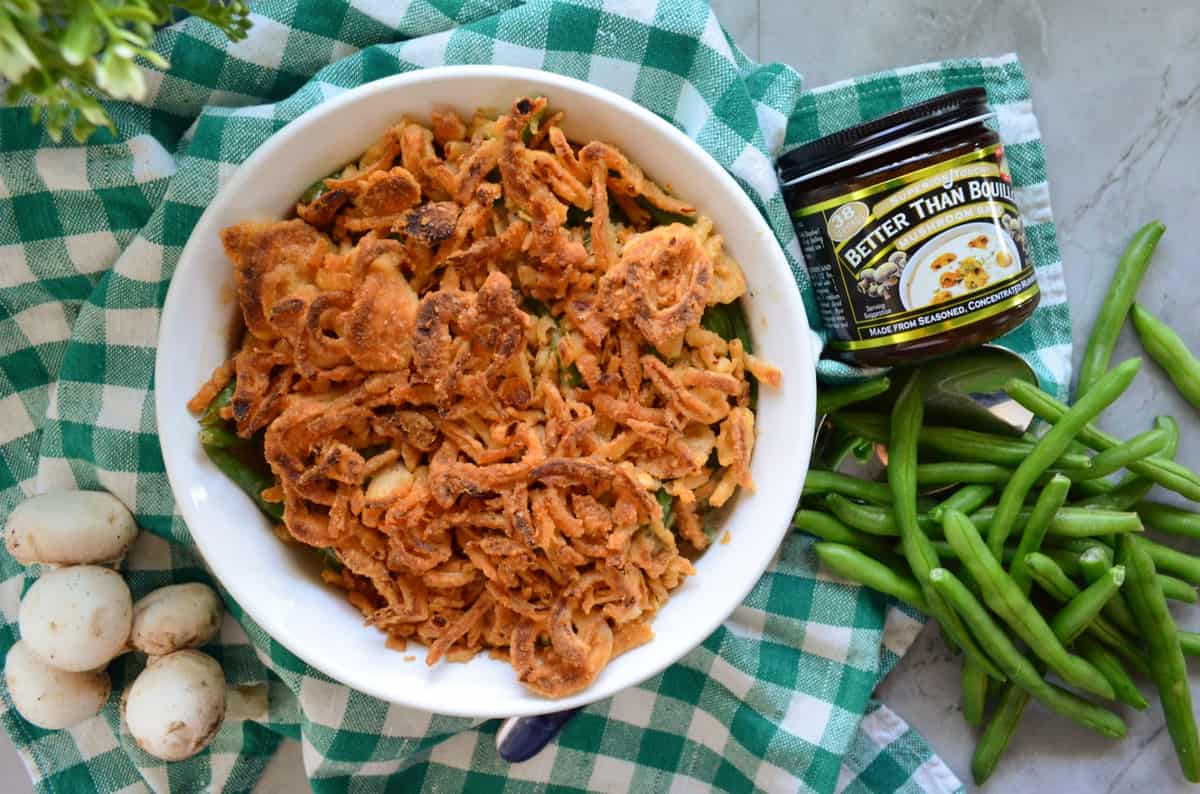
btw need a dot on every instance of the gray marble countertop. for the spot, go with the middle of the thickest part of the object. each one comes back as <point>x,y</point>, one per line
<point>1116,87</point>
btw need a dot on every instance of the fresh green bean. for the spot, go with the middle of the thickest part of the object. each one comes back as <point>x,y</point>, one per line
<point>1121,293</point>
<point>1168,669</point>
<point>1110,664</point>
<point>1049,501</point>
<point>1051,578</point>
<point>1170,352</point>
<point>1166,473</point>
<point>1019,669</point>
<point>961,472</point>
<point>826,527</point>
<point>872,519</point>
<point>835,399</point>
<point>967,499</point>
<point>1004,597</point>
<point>1177,589</point>
<point>1071,522</point>
<point>1141,446</point>
<point>1055,442</point>
<point>1169,519</point>
<point>1070,621</point>
<point>974,693</point>
<point>1134,487</point>
<point>998,732</point>
<point>1174,562</point>
<point>1067,560</point>
<point>1067,624</point>
<point>959,443</point>
<point>1190,642</point>
<point>850,563</point>
<point>1095,561</point>
<point>819,481</point>
<point>253,480</point>
<point>907,417</point>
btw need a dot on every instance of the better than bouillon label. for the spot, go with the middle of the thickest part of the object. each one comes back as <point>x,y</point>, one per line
<point>917,255</point>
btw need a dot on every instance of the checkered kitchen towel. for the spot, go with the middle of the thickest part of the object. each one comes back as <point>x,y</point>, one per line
<point>778,698</point>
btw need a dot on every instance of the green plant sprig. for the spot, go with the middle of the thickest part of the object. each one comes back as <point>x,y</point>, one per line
<point>61,55</point>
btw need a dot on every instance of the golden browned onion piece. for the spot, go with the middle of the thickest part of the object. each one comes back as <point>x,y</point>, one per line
<point>478,369</point>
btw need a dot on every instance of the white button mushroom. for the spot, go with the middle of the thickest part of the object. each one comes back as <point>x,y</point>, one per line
<point>176,705</point>
<point>70,528</point>
<point>175,617</point>
<point>77,618</point>
<point>48,697</point>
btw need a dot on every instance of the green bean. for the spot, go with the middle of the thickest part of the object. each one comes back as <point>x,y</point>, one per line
<point>1107,662</point>
<point>998,732</point>
<point>821,481</point>
<point>961,444</point>
<point>1071,522</point>
<point>1134,487</point>
<point>1068,561</point>
<point>835,399</point>
<point>872,519</point>
<point>1054,443</point>
<point>974,693</point>
<point>1004,597</point>
<point>1019,669</point>
<point>873,427</point>
<point>1190,642</point>
<point>1096,560</point>
<point>252,480</point>
<point>907,416</point>
<point>1051,578</point>
<point>967,499</point>
<point>1166,473</point>
<point>1168,669</point>
<point>1170,352</point>
<point>1121,293</point>
<point>1049,501</point>
<point>1169,519</point>
<point>1141,446</point>
<point>826,527</point>
<point>1177,563</point>
<point>852,564</point>
<point>1080,611</point>
<point>961,472</point>
<point>1070,621</point>
<point>1177,589</point>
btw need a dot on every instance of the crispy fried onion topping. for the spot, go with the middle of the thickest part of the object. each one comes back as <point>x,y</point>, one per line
<point>476,366</point>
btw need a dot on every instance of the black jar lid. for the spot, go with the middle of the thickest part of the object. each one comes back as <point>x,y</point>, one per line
<point>954,108</point>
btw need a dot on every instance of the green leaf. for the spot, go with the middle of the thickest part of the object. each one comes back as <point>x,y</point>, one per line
<point>83,38</point>
<point>119,77</point>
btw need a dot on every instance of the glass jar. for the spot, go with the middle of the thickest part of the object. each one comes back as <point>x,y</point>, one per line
<point>911,233</point>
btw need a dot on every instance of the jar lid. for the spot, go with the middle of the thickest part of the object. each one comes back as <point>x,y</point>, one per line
<point>921,120</point>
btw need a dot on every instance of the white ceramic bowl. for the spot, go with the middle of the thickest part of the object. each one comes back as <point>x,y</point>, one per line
<point>277,584</point>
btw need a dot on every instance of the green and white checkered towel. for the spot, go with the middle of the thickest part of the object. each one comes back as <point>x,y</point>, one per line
<point>778,698</point>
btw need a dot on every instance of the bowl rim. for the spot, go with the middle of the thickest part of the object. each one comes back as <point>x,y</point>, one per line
<point>174,313</point>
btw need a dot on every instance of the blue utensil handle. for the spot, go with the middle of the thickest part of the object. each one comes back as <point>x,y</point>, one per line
<point>521,738</point>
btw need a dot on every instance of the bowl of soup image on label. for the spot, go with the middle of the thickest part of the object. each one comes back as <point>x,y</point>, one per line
<point>959,261</point>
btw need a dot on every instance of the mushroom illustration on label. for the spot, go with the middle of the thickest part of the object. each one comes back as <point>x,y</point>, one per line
<point>881,282</point>
<point>959,261</point>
